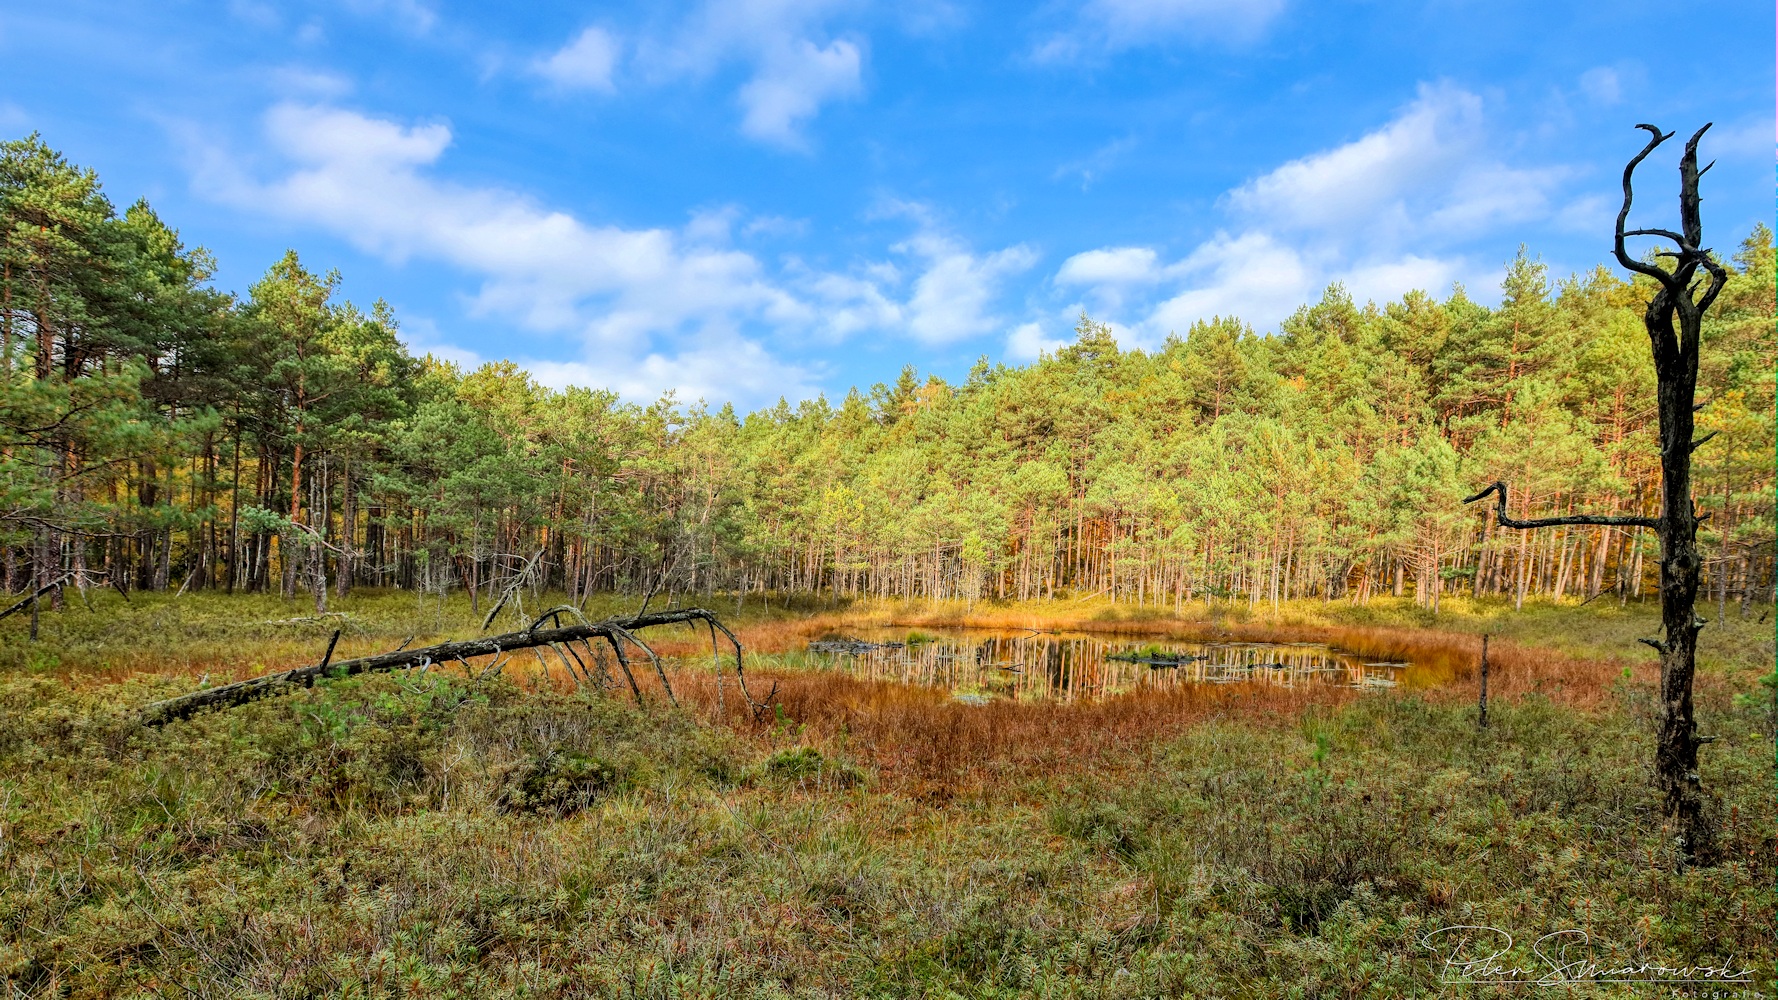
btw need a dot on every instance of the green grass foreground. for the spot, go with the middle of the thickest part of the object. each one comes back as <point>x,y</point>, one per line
<point>432,835</point>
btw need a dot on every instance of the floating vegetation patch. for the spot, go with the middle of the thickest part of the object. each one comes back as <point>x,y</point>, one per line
<point>850,646</point>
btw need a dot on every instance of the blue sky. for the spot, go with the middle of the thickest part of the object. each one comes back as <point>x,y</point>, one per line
<point>753,198</point>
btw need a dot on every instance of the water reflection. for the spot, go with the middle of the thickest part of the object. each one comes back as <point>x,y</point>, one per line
<point>1071,666</point>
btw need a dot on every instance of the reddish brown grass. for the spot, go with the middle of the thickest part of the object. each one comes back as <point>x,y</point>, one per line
<point>924,742</point>
<point>921,740</point>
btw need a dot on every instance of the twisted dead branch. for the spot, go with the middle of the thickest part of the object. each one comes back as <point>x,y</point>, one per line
<point>1508,521</point>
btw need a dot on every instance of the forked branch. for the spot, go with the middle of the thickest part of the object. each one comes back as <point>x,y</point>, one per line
<point>1508,521</point>
<point>1677,284</point>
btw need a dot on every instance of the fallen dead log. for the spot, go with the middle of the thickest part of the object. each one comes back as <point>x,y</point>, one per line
<point>615,631</point>
<point>39,592</point>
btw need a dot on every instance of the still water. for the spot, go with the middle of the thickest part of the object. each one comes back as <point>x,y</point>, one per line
<point>980,665</point>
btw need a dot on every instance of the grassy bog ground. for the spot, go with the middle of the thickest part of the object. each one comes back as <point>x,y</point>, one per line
<point>432,834</point>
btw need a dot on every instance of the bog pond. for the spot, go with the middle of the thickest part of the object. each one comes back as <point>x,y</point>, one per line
<point>980,665</point>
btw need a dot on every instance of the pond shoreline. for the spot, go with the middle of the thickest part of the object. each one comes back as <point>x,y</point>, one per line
<point>1451,649</point>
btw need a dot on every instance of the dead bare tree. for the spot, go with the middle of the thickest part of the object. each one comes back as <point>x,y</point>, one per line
<point>615,631</point>
<point>1674,319</point>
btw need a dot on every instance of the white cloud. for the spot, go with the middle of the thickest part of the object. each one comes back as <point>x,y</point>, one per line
<point>1252,276</point>
<point>324,136</point>
<point>298,81</point>
<point>852,304</point>
<point>1097,164</point>
<point>657,307</point>
<point>795,66</point>
<point>1751,141</point>
<point>422,336</point>
<point>1592,214</point>
<point>1381,281</point>
<point>745,371</point>
<point>1113,25</point>
<point>588,62</point>
<point>617,291</point>
<point>1115,275</point>
<point>1489,196</point>
<point>791,86</point>
<point>1369,213</point>
<point>1601,83</point>
<point>1027,343</point>
<point>1111,266</point>
<point>774,226</point>
<point>953,297</point>
<point>1356,182</point>
<point>1261,279</point>
<point>1426,175</point>
<point>713,226</point>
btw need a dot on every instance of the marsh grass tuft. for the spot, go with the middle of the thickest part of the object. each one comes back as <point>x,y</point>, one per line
<point>805,764</point>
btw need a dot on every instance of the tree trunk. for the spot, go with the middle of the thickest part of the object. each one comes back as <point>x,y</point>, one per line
<point>1676,754</point>
<point>344,568</point>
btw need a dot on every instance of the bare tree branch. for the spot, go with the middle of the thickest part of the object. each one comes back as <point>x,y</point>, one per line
<point>1690,219</point>
<point>39,592</point>
<point>1663,233</point>
<point>512,588</point>
<point>627,636</point>
<point>1623,215</point>
<point>1719,276</point>
<point>1506,520</point>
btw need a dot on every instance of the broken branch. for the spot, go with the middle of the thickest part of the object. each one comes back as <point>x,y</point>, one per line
<point>39,592</point>
<point>512,588</point>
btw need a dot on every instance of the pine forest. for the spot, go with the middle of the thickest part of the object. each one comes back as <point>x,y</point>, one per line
<point>165,435</point>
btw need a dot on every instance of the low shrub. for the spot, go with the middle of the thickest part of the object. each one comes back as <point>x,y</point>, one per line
<point>559,783</point>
